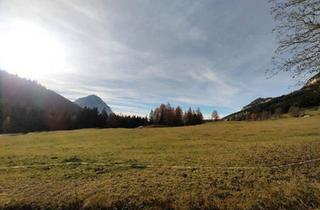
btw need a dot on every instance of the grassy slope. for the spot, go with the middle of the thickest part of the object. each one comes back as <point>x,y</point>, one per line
<point>210,150</point>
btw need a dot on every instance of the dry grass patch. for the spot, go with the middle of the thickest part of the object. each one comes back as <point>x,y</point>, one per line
<point>211,166</point>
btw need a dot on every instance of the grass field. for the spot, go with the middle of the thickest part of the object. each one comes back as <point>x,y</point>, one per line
<point>272,164</point>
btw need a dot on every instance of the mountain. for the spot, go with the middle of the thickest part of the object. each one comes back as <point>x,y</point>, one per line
<point>26,105</point>
<point>314,81</point>
<point>257,102</point>
<point>23,92</point>
<point>263,108</point>
<point>93,101</point>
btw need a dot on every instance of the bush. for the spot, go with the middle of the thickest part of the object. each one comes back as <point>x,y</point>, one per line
<point>295,111</point>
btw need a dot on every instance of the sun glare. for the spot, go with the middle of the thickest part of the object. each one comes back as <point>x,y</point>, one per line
<point>30,51</point>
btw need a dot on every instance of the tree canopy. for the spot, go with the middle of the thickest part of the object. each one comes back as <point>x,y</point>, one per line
<point>298,33</point>
<point>167,115</point>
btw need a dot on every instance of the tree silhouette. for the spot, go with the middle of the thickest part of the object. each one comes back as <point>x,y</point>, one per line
<point>215,115</point>
<point>298,29</point>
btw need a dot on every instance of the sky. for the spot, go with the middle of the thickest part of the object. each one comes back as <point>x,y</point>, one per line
<point>137,54</point>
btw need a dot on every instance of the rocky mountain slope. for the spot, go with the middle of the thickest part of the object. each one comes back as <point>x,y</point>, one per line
<point>263,108</point>
<point>93,101</point>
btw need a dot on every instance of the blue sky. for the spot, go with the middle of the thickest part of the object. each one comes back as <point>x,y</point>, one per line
<point>136,54</point>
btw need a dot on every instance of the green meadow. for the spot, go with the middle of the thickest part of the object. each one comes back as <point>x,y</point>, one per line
<point>273,164</point>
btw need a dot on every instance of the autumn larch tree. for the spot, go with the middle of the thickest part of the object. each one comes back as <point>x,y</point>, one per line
<point>179,116</point>
<point>215,115</point>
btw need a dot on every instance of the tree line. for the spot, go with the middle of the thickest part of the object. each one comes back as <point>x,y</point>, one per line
<point>167,115</point>
<point>293,111</point>
<point>22,119</point>
<point>91,118</point>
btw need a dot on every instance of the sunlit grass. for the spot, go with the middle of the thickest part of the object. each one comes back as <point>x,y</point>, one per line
<point>215,165</point>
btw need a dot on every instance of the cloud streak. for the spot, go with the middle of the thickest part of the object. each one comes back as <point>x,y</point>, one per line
<point>137,54</point>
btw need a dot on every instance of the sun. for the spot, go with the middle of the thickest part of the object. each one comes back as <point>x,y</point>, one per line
<point>30,51</point>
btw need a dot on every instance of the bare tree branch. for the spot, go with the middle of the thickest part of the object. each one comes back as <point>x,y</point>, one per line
<point>298,33</point>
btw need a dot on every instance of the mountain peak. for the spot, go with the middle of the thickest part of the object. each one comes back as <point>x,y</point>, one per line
<point>93,96</point>
<point>257,102</point>
<point>313,80</point>
<point>93,101</point>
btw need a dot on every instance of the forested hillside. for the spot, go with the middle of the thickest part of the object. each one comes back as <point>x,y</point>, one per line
<point>26,105</point>
<point>294,103</point>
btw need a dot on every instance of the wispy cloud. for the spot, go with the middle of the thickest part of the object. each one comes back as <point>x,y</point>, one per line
<point>136,54</point>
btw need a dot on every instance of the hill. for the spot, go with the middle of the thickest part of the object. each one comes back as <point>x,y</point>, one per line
<point>294,103</point>
<point>27,105</point>
<point>93,101</point>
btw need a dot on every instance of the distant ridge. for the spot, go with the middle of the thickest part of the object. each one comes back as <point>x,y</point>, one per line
<point>30,98</point>
<point>257,102</point>
<point>313,81</point>
<point>19,91</point>
<point>93,101</point>
<point>263,108</point>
